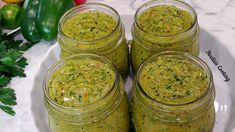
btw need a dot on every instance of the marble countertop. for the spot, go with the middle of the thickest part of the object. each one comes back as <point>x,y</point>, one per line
<point>215,16</point>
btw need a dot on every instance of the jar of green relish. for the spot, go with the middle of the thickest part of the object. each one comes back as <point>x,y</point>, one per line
<point>85,93</point>
<point>173,92</point>
<point>94,28</point>
<point>162,25</point>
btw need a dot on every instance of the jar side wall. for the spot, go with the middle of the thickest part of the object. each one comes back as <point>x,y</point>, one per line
<point>139,52</point>
<point>143,121</point>
<point>107,43</point>
<point>120,57</point>
<point>150,41</point>
<point>137,55</point>
<point>116,121</point>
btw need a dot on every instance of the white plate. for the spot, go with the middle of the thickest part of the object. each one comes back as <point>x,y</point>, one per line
<point>225,96</point>
<point>11,31</point>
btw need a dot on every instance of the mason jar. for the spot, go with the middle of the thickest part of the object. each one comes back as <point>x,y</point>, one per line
<point>159,26</point>
<point>84,93</point>
<point>98,29</point>
<point>173,92</point>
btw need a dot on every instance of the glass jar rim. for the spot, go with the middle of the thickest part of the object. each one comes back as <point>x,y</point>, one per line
<point>166,2</point>
<point>194,59</point>
<point>87,56</point>
<point>72,10</point>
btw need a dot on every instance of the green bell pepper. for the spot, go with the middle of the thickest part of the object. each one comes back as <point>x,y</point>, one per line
<point>28,21</point>
<point>10,16</point>
<point>39,18</point>
<point>48,15</point>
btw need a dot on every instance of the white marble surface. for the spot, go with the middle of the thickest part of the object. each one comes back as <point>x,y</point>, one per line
<point>215,16</point>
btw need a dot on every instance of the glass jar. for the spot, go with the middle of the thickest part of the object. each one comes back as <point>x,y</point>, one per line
<point>113,46</point>
<point>108,112</point>
<point>144,44</point>
<point>152,115</point>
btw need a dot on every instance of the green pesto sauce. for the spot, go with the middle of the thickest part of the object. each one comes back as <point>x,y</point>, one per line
<point>173,81</point>
<point>88,26</point>
<point>80,82</point>
<point>165,20</point>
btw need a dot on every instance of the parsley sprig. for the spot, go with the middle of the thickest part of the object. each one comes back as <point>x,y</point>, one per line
<point>12,64</point>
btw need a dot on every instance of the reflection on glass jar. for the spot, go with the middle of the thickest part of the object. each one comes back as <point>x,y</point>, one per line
<point>163,25</point>
<point>94,28</point>
<point>173,92</point>
<point>84,93</point>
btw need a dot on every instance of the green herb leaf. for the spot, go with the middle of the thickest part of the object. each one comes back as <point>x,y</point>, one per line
<point>4,80</point>
<point>25,46</point>
<point>3,69</point>
<point>22,62</point>
<point>7,109</point>
<point>7,61</point>
<point>12,63</point>
<point>16,71</point>
<point>7,96</point>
